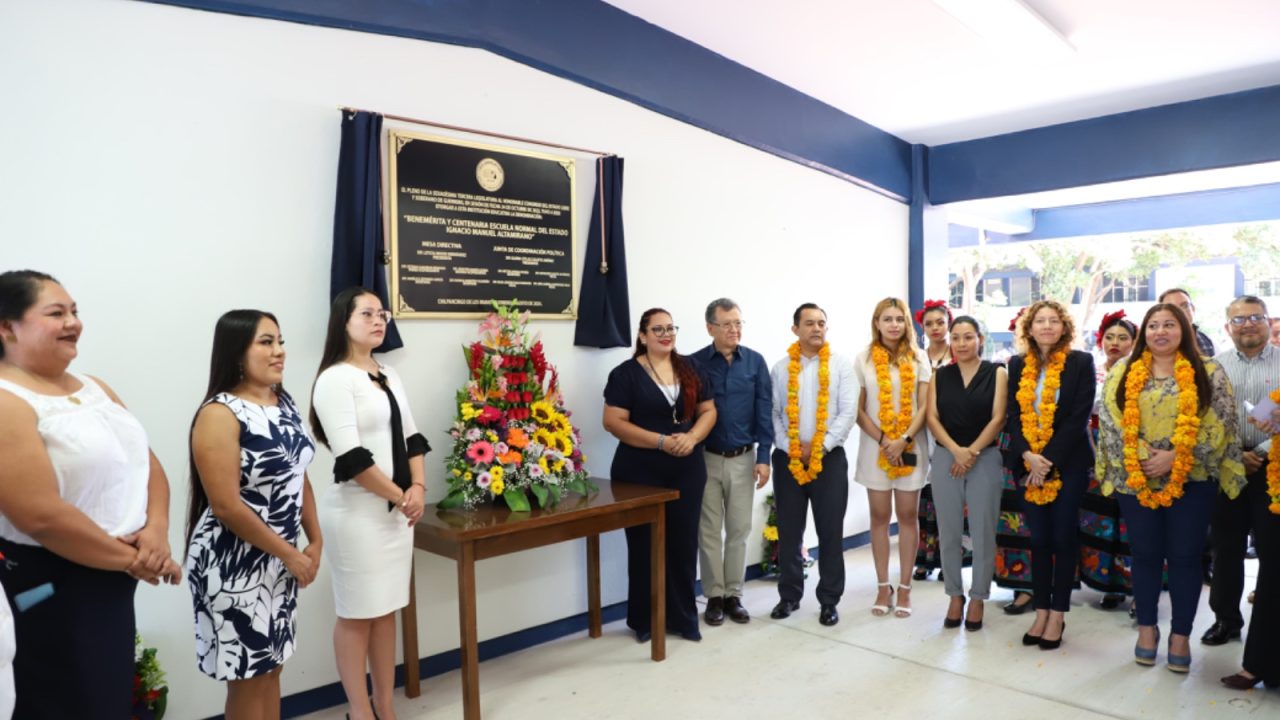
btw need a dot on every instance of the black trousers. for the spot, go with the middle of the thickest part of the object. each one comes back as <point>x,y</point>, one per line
<point>75,648</point>
<point>1055,543</point>
<point>683,515</point>
<point>828,495</point>
<point>1229,539</point>
<point>1262,645</point>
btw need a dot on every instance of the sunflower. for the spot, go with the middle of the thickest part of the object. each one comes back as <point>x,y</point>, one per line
<point>543,437</point>
<point>542,412</point>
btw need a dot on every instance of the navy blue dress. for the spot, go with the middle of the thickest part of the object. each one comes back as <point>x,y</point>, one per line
<point>631,389</point>
<point>245,600</point>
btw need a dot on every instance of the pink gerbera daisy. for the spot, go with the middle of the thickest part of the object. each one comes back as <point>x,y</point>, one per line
<point>480,452</point>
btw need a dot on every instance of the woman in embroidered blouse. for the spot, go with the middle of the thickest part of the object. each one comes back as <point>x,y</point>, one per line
<point>935,319</point>
<point>1104,539</point>
<point>1045,334</point>
<point>360,412</point>
<point>84,512</point>
<point>250,501</point>
<point>892,460</point>
<point>1166,363</point>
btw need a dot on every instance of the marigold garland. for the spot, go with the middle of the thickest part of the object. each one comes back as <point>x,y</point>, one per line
<point>894,425</point>
<point>1273,465</point>
<point>1185,430</point>
<point>1037,427</point>
<point>802,474</point>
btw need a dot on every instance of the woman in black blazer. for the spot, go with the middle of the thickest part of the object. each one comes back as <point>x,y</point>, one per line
<point>1050,454</point>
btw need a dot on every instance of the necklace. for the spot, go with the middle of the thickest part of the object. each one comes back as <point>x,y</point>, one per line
<point>662,387</point>
<point>942,359</point>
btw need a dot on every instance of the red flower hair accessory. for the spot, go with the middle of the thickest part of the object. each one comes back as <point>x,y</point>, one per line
<point>1107,321</point>
<point>933,305</point>
<point>1013,324</point>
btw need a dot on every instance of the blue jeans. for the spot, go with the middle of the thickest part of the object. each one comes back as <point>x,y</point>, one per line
<point>1176,535</point>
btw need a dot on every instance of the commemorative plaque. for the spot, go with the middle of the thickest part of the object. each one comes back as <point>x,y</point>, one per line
<point>474,223</point>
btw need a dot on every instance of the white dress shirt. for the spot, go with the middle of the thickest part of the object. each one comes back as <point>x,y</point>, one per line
<point>842,403</point>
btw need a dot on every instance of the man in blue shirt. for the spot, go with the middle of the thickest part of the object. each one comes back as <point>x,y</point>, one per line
<point>737,455</point>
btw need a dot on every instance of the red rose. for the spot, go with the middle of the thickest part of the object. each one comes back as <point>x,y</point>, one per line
<point>528,396</point>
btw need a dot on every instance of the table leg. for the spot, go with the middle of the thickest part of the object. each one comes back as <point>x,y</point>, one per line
<point>593,586</point>
<point>470,660</point>
<point>409,639</point>
<point>658,585</point>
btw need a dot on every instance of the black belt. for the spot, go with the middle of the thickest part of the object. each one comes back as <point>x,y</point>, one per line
<point>731,453</point>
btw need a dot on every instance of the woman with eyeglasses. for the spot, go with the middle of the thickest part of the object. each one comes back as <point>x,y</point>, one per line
<point>661,410</point>
<point>360,411</point>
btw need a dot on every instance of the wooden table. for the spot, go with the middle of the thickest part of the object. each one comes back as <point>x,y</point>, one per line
<point>468,536</point>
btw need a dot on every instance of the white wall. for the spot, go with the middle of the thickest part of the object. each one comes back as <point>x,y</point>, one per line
<point>168,165</point>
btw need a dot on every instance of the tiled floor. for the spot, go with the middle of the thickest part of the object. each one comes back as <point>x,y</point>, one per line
<point>865,667</point>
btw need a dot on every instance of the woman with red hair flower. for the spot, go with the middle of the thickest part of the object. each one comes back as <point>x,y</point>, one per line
<point>935,319</point>
<point>1104,538</point>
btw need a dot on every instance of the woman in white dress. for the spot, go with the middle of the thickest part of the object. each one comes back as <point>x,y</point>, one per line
<point>892,447</point>
<point>360,412</point>
<point>84,512</point>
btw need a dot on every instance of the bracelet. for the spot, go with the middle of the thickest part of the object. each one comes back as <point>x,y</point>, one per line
<point>881,440</point>
<point>661,439</point>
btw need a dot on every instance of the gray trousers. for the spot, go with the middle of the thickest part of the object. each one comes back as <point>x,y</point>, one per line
<point>726,506</point>
<point>980,489</point>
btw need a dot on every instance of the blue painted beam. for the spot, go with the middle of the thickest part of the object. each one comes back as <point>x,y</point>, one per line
<point>1222,131</point>
<point>1258,203</point>
<point>599,46</point>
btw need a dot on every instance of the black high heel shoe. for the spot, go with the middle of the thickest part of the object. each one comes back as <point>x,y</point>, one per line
<point>951,623</point>
<point>1054,644</point>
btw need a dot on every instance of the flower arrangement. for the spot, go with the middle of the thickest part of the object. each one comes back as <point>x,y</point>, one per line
<point>512,436</point>
<point>769,563</point>
<point>1185,430</point>
<point>802,474</point>
<point>150,694</point>
<point>894,424</point>
<point>1037,427</point>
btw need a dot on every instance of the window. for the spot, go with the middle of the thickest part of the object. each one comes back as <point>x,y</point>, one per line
<point>1020,291</point>
<point>1129,289</point>
<point>1266,287</point>
<point>993,291</point>
<point>956,297</point>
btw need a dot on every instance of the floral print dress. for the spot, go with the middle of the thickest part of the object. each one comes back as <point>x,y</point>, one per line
<point>245,600</point>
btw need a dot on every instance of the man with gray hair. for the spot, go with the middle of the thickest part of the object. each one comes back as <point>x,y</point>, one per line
<point>737,456</point>
<point>1253,366</point>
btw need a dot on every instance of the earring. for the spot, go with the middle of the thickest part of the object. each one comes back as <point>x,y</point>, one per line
<point>241,379</point>
<point>11,338</point>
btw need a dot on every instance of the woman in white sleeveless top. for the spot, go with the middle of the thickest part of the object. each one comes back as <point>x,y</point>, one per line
<point>360,412</point>
<point>84,512</point>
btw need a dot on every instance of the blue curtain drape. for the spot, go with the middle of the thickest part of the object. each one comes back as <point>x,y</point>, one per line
<point>359,252</point>
<point>604,311</point>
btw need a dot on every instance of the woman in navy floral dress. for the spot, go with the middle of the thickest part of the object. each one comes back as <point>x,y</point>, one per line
<point>250,497</point>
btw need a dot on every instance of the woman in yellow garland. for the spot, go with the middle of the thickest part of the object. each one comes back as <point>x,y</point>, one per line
<point>1168,438</point>
<point>1051,389</point>
<point>894,376</point>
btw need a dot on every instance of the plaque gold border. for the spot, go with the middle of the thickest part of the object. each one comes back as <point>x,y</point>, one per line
<point>396,140</point>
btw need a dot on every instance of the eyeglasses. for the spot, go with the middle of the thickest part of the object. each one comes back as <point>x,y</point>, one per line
<point>661,331</point>
<point>371,315</point>
<point>1255,319</point>
<point>730,325</point>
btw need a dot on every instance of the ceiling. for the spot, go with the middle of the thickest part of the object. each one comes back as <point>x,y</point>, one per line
<point>911,69</point>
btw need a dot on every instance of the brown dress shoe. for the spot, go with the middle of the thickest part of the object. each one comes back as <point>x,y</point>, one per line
<point>715,611</point>
<point>733,608</point>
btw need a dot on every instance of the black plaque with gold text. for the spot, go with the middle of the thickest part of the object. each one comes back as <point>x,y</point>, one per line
<point>474,223</point>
